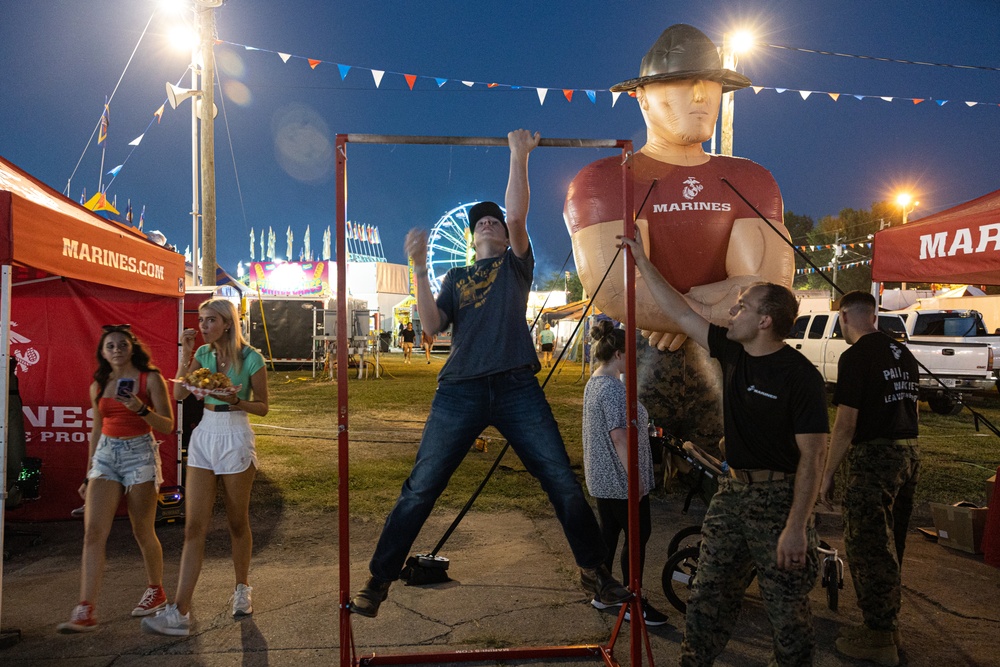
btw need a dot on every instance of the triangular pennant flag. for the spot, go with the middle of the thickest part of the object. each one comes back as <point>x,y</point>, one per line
<point>250,48</point>
<point>916,101</point>
<point>568,94</point>
<point>159,114</point>
<point>410,80</point>
<point>284,56</point>
<point>114,172</point>
<point>941,103</point>
<point>780,90</point>
<point>542,92</point>
<point>313,63</point>
<point>492,85</point>
<point>592,96</point>
<point>756,89</point>
<point>614,98</point>
<point>137,140</point>
<point>971,104</point>
<point>887,99</point>
<point>834,96</point>
<point>377,75</point>
<point>440,82</point>
<point>515,87</point>
<point>805,94</point>
<point>344,69</point>
<point>469,83</point>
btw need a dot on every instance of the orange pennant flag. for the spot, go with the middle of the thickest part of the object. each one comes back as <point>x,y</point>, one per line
<point>916,101</point>
<point>410,80</point>
<point>834,96</point>
<point>492,85</point>
<point>314,63</point>
<point>568,93</point>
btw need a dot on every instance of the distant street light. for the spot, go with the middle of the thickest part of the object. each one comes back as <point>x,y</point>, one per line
<point>733,44</point>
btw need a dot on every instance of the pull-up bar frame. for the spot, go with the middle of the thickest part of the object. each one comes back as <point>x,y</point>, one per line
<point>638,636</point>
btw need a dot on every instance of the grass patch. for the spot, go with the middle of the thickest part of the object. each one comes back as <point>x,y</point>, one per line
<point>297,444</point>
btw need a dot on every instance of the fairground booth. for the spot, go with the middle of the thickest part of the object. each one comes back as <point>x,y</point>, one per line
<point>66,272</point>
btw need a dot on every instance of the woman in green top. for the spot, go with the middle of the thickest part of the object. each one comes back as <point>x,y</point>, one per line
<point>221,447</point>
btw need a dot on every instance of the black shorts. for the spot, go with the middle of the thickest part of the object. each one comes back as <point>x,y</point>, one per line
<point>547,347</point>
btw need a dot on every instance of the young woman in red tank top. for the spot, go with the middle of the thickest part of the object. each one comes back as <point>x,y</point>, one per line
<point>124,459</point>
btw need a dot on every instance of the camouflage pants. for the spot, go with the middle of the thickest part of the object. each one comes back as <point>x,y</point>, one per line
<point>881,479</point>
<point>682,391</point>
<point>741,531</point>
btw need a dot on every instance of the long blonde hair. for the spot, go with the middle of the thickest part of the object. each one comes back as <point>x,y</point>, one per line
<point>232,342</point>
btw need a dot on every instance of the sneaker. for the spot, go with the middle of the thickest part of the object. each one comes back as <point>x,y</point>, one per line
<point>82,620</point>
<point>597,604</point>
<point>368,599</point>
<point>153,600</point>
<point>651,614</point>
<point>79,512</point>
<point>242,606</point>
<point>872,645</point>
<point>168,621</point>
<point>604,588</point>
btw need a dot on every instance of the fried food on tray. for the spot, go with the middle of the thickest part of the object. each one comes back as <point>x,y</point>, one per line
<point>206,379</point>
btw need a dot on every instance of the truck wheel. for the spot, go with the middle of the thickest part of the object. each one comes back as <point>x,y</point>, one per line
<point>943,404</point>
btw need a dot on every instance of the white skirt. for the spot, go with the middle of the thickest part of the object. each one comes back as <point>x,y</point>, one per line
<point>223,443</point>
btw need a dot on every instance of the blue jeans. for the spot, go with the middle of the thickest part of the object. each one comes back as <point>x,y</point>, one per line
<point>515,404</point>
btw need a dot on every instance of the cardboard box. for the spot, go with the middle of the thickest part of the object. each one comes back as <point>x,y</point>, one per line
<point>990,483</point>
<point>959,526</point>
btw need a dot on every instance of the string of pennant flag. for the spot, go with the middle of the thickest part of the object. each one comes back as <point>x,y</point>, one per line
<point>833,246</point>
<point>569,93</point>
<point>846,265</point>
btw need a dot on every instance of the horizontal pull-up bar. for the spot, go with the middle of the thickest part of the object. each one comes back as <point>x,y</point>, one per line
<point>478,141</point>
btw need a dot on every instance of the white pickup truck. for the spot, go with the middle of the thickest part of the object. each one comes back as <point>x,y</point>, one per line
<point>948,326</point>
<point>961,366</point>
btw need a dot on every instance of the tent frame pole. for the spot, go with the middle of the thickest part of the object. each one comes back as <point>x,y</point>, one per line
<point>6,284</point>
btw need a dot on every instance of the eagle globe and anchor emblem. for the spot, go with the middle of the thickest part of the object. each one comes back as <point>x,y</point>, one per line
<point>692,188</point>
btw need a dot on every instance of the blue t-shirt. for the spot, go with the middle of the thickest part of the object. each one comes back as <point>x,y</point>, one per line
<point>486,304</point>
<point>253,361</point>
<point>605,408</point>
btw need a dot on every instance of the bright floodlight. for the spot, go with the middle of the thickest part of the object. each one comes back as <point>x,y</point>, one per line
<point>742,41</point>
<point>183,37</point>
<point>904,199</point>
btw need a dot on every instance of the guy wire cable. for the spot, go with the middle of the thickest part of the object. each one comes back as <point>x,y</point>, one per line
<point>506,445</point>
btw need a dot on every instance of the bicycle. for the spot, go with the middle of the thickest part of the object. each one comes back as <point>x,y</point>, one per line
<point>681,567</point>
<point>682,551</point>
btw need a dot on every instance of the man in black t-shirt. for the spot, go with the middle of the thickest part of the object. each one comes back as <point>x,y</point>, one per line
<point>774,405</point>
<point>876,430</point>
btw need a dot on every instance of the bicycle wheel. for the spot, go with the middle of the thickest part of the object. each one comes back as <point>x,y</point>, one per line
<point>678,577</point>
<point>682,539</point>
<point>831,581</point>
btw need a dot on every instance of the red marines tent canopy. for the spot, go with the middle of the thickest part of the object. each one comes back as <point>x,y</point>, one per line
<point>959,245</point>
<point>65,273</point>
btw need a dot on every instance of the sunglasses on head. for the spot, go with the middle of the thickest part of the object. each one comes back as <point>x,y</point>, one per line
<point>117,328</point>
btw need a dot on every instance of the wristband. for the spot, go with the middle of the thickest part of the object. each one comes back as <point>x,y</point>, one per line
<point>143,411</point>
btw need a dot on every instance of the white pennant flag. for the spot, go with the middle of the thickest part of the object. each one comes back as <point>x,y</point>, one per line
<point>542,92</point>
<point>971,104</point>
<point>614,98</point>
<point>470,84</point>
<point>284,56</point>
<point>135,142</point>
<point>805,94</point>
<point>756,89</point>
<point>887,99</point>
<point>377,75</point>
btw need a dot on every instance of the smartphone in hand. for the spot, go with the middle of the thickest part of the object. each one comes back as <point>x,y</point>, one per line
<point>124,388</point>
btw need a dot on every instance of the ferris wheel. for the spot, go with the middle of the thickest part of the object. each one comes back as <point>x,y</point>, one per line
<point>450,244</point>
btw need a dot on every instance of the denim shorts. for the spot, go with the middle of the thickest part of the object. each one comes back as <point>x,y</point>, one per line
<point>223,443</point>
<point>127,461</point>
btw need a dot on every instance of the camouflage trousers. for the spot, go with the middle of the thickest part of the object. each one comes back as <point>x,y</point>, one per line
<point>741,532</point>
<point>881,479</point>
<point>682,391</point>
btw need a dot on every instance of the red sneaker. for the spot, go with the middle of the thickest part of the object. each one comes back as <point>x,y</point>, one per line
<point>152,601</point>
<point>82,620</point>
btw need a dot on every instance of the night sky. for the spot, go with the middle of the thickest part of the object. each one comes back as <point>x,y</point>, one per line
<point>278,119</point>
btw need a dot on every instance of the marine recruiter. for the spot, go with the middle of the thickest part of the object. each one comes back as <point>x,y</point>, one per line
<point>775,425</point>
<point>876,431</point>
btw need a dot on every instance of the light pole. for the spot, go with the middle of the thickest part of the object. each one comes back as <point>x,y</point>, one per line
<point>733,44</point>
<point>907,204</point>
